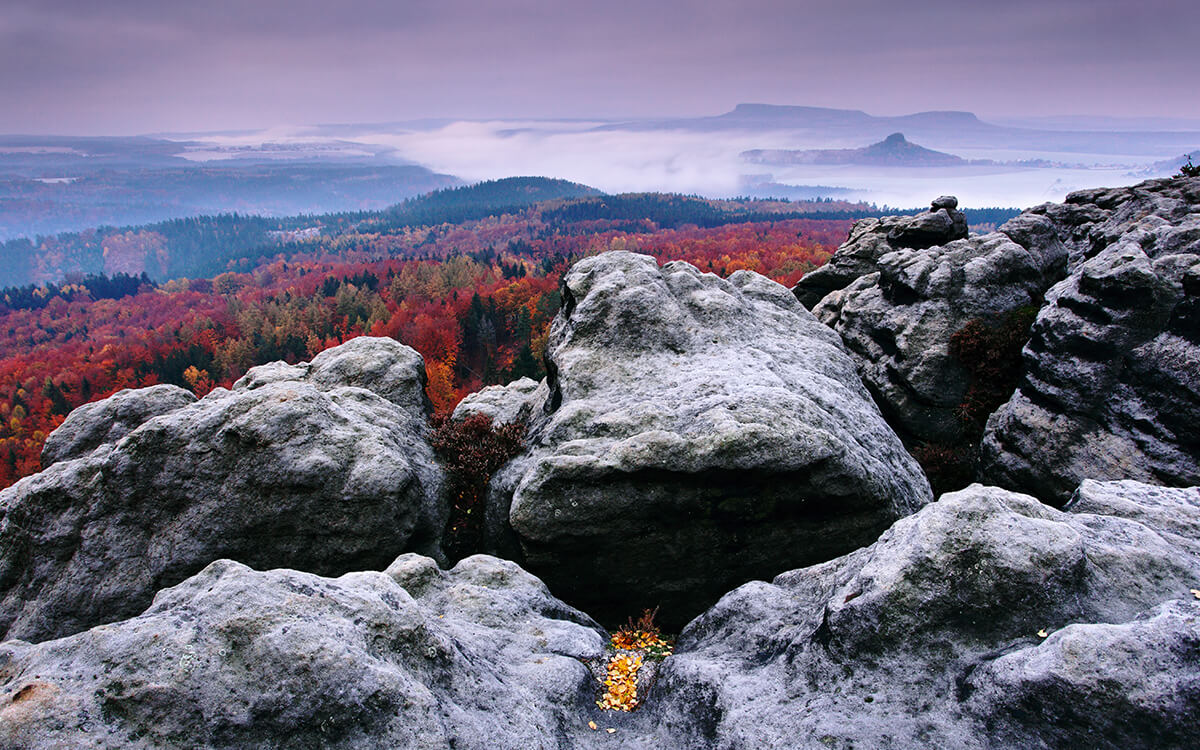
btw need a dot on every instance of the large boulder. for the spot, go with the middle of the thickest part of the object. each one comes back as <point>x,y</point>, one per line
<point>324,467</point>
<point>1111,375</point>
<point>695,433</point>
<point>514,403</point>
<point>479,657</point>
<point>987,619</point>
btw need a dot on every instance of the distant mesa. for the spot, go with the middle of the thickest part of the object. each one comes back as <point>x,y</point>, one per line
<point>893,151</point>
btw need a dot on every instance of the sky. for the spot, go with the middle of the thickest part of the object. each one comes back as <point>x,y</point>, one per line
<point>122,67</point>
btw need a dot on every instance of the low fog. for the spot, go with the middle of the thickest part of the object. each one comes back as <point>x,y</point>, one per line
<point>614,160</point>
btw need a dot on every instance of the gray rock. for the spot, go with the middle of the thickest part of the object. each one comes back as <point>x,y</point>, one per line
<point>933,636</point>
<point>986,619</point>
<point>936,227</point>
<point>478,657</point>
<point>698,432</point>
<point>871,239</point>
<point>296,466</point>
<point>504,404</point>
<point>107,421</point>
<point>1111,384</point>
<point>858,256</point>
<point>898,322</point>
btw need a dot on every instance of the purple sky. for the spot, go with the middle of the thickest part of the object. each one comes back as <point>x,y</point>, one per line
<point>137,66</point>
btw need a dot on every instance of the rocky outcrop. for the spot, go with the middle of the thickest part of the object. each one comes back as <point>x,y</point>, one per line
<point>984,620</point>
<point>105,422</point>
<point>697,432</point>
<point>505,404</point>
<point>987,619</point>
<point>1109,384</point>
<point>871,239</point>
<point>478,657</point>
<point>903,306</point>
<point>323,467</point>
<point>1111,375</point>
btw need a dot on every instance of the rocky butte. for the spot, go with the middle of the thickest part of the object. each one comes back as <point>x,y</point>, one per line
<point>264,567</point>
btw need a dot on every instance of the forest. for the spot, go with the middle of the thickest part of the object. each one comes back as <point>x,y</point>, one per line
<point>475,298</point>
<point>469,277</point>
<point>204,246</point>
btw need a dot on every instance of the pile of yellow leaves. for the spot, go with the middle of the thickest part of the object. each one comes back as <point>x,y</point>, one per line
<point>633,644</point>
<point>621,683</point>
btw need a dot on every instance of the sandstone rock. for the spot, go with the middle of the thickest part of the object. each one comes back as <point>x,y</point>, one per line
<point>698,432</point>
<point>504,404</point>
<point>987,619</point>
<point>478,657</point>
<point>1111,385</point>
<point>871,239</point>
<point>296,466</point>
<point>898,321</point>
<point>107,421</point>
<point>935,227</point>
<point>856,257</point>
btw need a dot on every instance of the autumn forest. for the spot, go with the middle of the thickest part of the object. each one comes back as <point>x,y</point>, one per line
<point>470,279</point>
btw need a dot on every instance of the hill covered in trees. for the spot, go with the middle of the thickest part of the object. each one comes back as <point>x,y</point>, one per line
<point>469,277</point>
<point>475,297</point>
<point>204,246</point>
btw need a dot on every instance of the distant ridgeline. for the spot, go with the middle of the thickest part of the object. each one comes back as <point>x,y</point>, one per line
<point>205,246</point>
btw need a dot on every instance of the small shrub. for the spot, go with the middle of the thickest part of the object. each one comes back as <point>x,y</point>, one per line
<point>643,634</point>
<point>1189,170</point>
<point>990,351</point>
<point>471,450</point>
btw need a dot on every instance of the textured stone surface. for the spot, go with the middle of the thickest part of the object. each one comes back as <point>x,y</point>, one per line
<point>900,324</point>
<point>504,404</point>
<point>103,422</point>
<point>478,657</point>
<point>1111,385</point>
<point>898,315</point>
<point>698,432</point>
<point>298,466</point>
<point>933,636</point>
<point>870,239</point>
<point>984,620</point>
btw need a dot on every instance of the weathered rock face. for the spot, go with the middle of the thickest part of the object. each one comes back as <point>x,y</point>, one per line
<point>1111,385</point>
<point>898,319</point>
<point>480,656</point>
<point>697,433</point>
<point>104,422</point>
<point>987,619</point>
<point>322,467</point>
<point>870,239</point>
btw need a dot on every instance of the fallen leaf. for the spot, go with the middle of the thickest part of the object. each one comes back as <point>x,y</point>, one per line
<point>610,730</point>
<point>1042,633</point>
<point>592,725</point>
